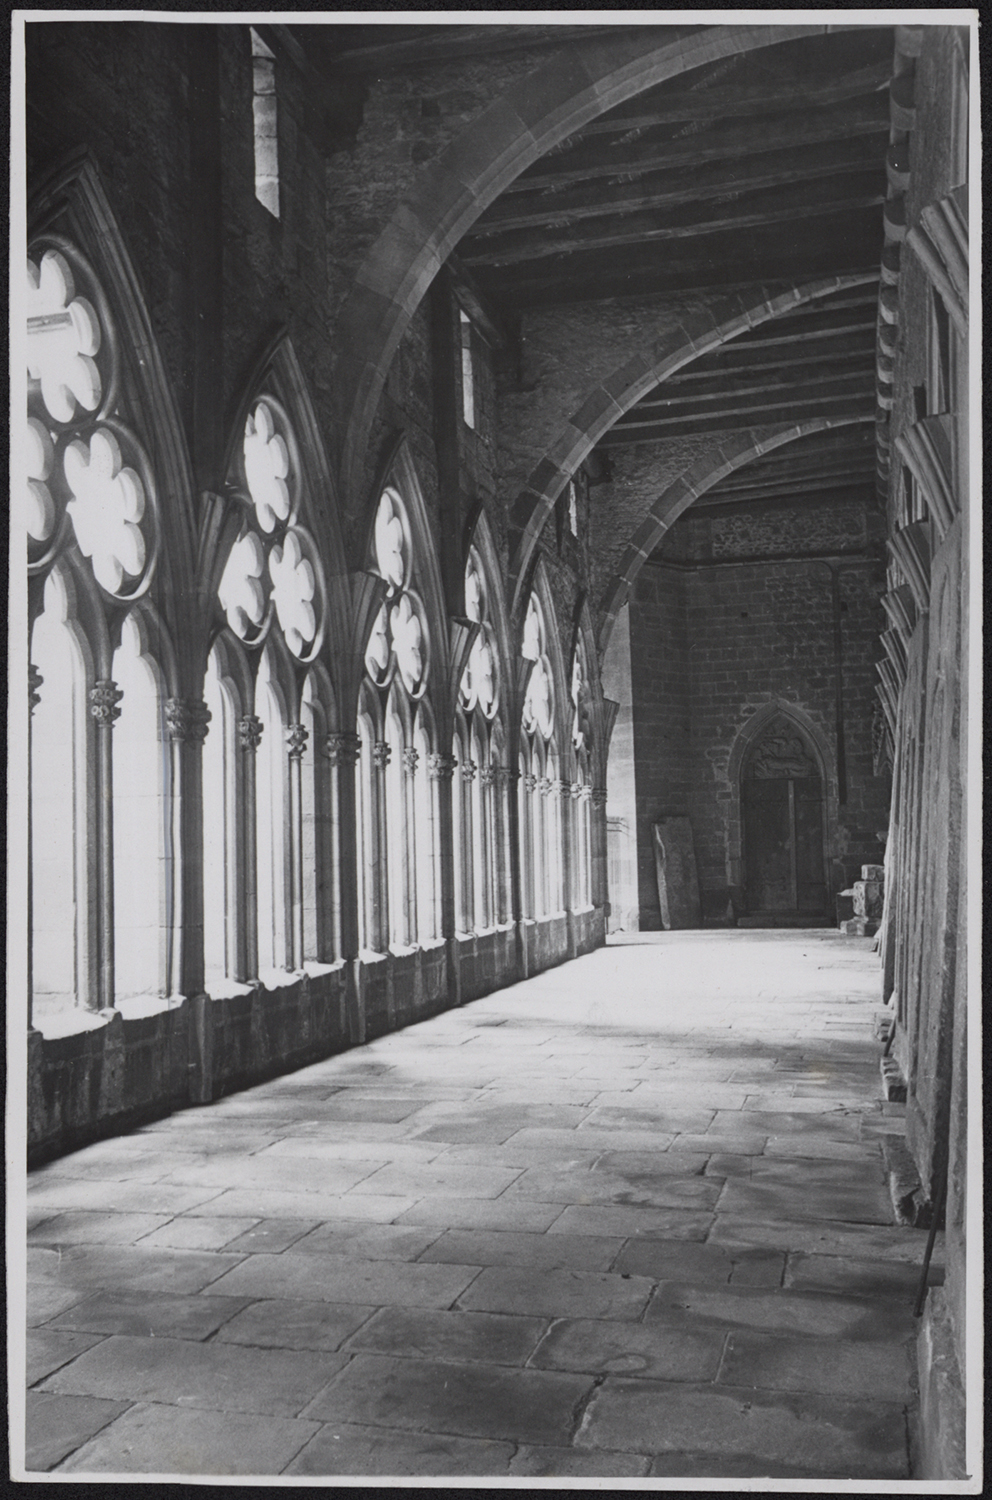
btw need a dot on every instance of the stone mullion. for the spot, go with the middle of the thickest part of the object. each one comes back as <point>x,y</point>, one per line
<point>598,850</point>
<point>526,843</point>
<point>187,724</point>
<point>296,740</point>
<point>343,750</point>
<point>467,915</point>
<point>440,769</point>
<point>249,738</point>
<point>381,752</point>
<point>487,780</point>
<point>104,697</point>
<point>561,793</point>
<point>410,759</point>
<point>504,861</point>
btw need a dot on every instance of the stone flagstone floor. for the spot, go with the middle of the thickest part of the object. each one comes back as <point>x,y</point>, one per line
<point>627,1219</point>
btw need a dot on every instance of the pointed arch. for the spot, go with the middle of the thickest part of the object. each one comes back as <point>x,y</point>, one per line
<point>736,451</point>
<point>398,471</point>
<point>696,335</point>
<point>582,81</point>
<point>72,201</point>
<point>747,738</point>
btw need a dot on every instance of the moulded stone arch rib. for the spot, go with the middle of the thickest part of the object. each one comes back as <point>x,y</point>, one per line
<point>584,80</point>
<point>697,334</point>
<point>707,471</point>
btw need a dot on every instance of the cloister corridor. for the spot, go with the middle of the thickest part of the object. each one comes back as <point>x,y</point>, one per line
<point>627,1219</point>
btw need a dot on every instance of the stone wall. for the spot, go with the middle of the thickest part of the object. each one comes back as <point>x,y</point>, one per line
<point>715,641</point>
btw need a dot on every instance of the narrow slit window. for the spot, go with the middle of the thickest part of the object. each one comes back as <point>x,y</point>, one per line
<point>266,128</point>
<point>573,508</point>
<point>468,374</point>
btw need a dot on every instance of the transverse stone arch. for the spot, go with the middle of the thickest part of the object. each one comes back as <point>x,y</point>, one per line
<point>584,80</point>
<point>733,453</point>
<point>699,334</point>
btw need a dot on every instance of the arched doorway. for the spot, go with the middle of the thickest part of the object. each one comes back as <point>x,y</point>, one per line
<point>783,817</point>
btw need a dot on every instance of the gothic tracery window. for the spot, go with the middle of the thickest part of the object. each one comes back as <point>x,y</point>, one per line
<point>541,780</point>
<point>271,591</point>
<point>92,534</point>
<point>395,796</point>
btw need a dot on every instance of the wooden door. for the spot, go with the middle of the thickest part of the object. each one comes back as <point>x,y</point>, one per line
<point>782,814</point>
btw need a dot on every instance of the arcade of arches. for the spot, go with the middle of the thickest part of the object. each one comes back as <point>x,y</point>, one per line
<point>452,452</point>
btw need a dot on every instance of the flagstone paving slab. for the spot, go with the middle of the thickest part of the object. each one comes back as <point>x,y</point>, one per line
<point>544,1463</point>
<point>656,1223</point>
<point>818,1433</point>
<point>129,1268</point>
<point>482,1213</point>
<point>875,1371</point>
<point>340,1448</point>
<point>91,1228</point>
<point>198,1233</point>
<point>370,1241</point>
<point>169,1440</point>
<point>557,1294</point>
<point>497,1247</point>
<point>294,1324</point>
<point>529,1406</point>
<point>56,1425</point>
<point>625,1348</point>
<point>271,1204</point>
<point>150,1315</point>
<point>859,1278</point>
<point>345,1278</point>
<point>269,1236</point>
<point>810,1313</point>
<point>425,1333</point>
<point>864,1205</point>
<point>50,1348</point>
<point>222,1377</point>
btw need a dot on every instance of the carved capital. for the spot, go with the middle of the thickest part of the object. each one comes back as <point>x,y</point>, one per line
<point>296,740</point>
<point>250,732</point>
<point>381,754</point>
<point>561,789</point>
<point>104,698</point>
<point>530,782</point>
<point>506,775</point>
<point>35,680</point>
<point>187,721</point>
<point>487,776</point>
<point>410,760</point>
<point>469,769</point>
<point>342,748</point>
<point>544,785</point>
<point>441,767</point>
<point>598,795</point>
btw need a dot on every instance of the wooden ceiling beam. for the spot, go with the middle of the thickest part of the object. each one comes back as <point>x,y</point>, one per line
<point>736,103</point>
<point>829,479</point>
<point>597,198</point>
<point>868,116</point>
<point>707,370</point>
<point>837,408</point>
<point>724,260</point>
<point>644,229</point>
<point>429,43</point>
<point>793,376</point>
<point>746,398</point>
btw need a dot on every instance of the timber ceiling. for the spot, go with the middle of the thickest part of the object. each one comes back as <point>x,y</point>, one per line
<point>759,170</point>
